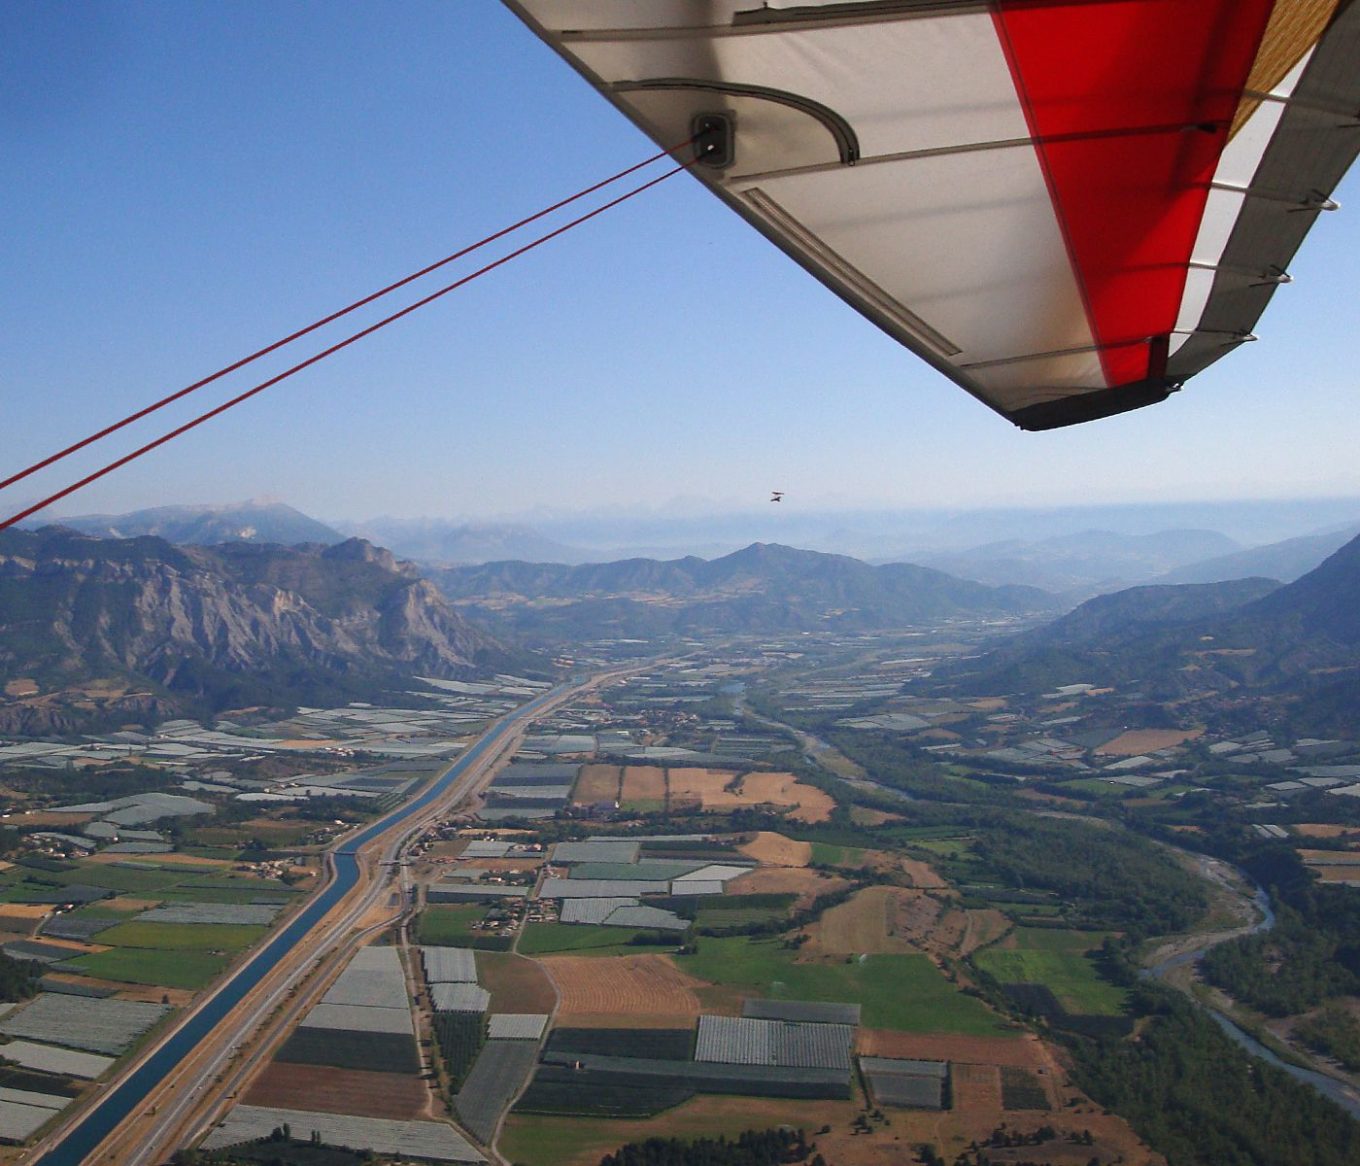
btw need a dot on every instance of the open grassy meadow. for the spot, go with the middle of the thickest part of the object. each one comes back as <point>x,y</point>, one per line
<point>448,926</point>
<point>829,854</point>
<point>203,937</point>
<point>545,938</point>
<point>139,965</point>
<point>1058,959</point>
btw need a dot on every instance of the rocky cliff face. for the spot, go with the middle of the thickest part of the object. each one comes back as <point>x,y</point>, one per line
<point>193,619</point>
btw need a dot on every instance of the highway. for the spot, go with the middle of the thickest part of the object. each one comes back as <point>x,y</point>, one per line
<point>194,1048</point>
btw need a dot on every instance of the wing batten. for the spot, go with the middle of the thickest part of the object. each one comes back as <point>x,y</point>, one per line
<point>1308,142</point>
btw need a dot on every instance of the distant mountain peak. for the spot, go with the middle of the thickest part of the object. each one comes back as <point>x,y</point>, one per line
<point>209,525</point>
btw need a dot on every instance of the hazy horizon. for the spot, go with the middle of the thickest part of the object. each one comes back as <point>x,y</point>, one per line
<point>177,197</point>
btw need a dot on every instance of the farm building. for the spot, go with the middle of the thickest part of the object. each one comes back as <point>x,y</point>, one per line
<point>592,910</point>
<point>599,888</point>
<point>532,774</point>
<point>643,916</point>
<point>373,979</point>
<point>808,1011</point>
<point>597,850</point>
<point>362,1022</point>
<point>907,1083</point>
<point>443,892</point>
<point>459,998</point>
<point>739,1040</point>
<point>449,965</point>
<point>497,1076</point>
<point>516,1026</point>
<point>486,848</point>
<point>64,1062</point>
<point>22,1112</point>
<point>99,1026</point>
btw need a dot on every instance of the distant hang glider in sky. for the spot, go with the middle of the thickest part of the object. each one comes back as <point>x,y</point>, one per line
<point>1068,207</point>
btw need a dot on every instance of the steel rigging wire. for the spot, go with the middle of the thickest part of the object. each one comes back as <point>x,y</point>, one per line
<point>310,328</point>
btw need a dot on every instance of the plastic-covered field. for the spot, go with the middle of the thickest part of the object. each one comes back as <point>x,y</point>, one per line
<point>101,1026</point>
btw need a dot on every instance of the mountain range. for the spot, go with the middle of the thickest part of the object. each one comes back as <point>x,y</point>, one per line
<point>441,541</point>
<point>1073,561</point>
<point>205,526</point>
<point>762,588</point>
<point>1285,560</point>
<point>1086,560</point>
<point>232,625</point>
<point>1299,642</point>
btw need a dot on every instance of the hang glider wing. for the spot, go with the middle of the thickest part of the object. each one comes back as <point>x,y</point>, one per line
<point>1068,207</point>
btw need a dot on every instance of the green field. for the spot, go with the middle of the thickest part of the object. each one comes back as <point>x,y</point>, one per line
<point>448,926</point>
<point>1099,787</point>
<point>119,878</point>
<point>545,938</point>
<point>905,992</point>
<point>737,916</point>
<point>1056,939</point>
<point>201,937</point>
<point>944,847</point>
<point>643,805</point>
<point>138,965</point>
<point>829,854</point>
<point>1057,960</point>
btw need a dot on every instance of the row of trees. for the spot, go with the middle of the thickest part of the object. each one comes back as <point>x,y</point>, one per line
<point>752,1148</point>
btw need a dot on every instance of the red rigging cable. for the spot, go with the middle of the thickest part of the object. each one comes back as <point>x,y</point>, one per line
<point>301,332</point>
<point>334,348</point>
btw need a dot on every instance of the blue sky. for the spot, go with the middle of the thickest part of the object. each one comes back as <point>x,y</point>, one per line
<point>183,182</point>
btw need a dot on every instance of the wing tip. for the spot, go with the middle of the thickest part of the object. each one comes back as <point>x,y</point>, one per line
<point>1092,406</point>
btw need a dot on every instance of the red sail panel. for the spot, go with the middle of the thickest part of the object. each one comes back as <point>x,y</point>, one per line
<point>1130,104</point>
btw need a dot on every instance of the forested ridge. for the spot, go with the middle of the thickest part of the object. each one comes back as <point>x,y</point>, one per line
<point>1195,1096</point>
<point>1310,955</point>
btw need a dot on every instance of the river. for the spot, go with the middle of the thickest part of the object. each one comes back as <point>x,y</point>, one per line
<point>1344,1095</point>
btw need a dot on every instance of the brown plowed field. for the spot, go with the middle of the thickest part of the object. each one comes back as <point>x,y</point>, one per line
<point>627,987</point>
<point>643,783</point>
<point>868,923</point>
<point>707,788</point>
<point>1337,874</point>
<point>23,917</point>
<point>773,849</point>
<point>1022,1052</point>
<point>784,880</point>
<point>1137,741</point>
<point>516,983</point>
<point>598,783</point>
<point>327,1090</point>
<point>976,1086</point>
<point>922,874</point>
<point>1323,830</point>
<point>48,818</point>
